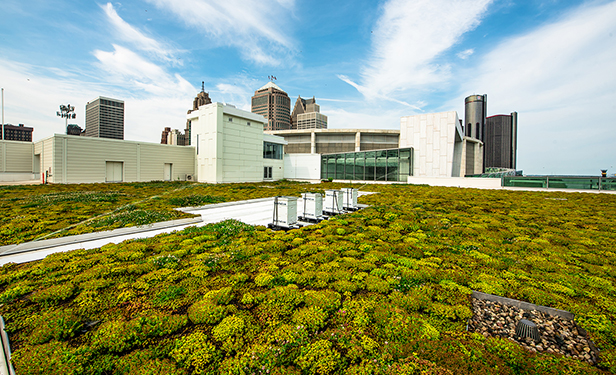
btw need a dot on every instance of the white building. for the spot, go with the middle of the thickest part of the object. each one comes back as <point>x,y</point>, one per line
<point>231,147</point>
<point>228,146</point>
<point>440,147</point>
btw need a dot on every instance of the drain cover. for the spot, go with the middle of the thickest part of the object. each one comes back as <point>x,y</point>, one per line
<point>526,328</point>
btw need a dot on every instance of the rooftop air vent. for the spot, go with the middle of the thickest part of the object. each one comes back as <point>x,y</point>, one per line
<point>526,328</point>
<point>333,202</point>
<point>285,213</point>
<point>349,199</point>
<point>311,207</point>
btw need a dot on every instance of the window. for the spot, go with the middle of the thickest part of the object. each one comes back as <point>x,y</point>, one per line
<point>248,123</point>
<point>272,151</point>
<point>267,173</point>
<point>230,119</point>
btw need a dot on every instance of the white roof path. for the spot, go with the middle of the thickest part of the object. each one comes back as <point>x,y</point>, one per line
<point>253,212</point>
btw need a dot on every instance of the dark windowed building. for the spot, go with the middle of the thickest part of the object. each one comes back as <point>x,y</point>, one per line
<point>501,141</point>
<point>17,133</point>
<point>74,129</point>
<point>273,104</point>
<point>105,118</point>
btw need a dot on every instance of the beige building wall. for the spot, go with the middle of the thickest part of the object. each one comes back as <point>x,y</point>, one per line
<point>74,159</point>
<point>16,157</point>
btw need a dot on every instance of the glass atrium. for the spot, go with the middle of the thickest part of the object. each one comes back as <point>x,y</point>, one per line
<point>377,165</point>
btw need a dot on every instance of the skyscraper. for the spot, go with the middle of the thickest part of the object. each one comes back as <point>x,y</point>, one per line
<point>105,118</point>
<point>202,98</point>
<point>306,115</point>
<point>501,141</point>
<point>475,109</point>
<point>273,104</point>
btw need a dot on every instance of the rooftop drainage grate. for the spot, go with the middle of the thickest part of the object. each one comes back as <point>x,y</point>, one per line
<point>534,327</point>
<point>526,328</point>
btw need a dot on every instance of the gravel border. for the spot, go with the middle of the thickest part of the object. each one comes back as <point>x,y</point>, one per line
<point>495,316</point>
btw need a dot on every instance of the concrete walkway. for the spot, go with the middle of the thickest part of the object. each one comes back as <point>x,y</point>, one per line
<point>253,212</point>
<point>36,250</point>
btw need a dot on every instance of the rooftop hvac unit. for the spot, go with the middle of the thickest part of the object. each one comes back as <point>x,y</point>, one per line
<point>333,202</point>
<point>189,177</point>
<point>349,199</point>
<point>285,212</point>
<point>311,207</point>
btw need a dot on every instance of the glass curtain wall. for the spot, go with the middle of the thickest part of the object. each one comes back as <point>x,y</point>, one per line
<point>381,165</point>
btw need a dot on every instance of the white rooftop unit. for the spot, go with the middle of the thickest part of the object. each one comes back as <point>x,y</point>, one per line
<point>311,206</point>
<point>285,212</point>
<point>333,202</point>
<point>349,198</point>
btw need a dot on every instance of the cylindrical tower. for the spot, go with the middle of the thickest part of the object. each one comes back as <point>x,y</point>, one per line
<point>475,109</point>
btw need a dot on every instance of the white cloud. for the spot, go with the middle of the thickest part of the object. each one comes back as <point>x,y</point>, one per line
<point>32,99</point>
<point>254,27</point>
<point>560,78</point>
<point>128,68</point>
<point>465,54</point>
<point>367,93</point>
<point>409,37</point>
<point>136,37</point>
<point>32,95</point>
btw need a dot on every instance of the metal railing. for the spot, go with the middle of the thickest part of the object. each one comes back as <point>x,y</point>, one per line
<point>561,182</point>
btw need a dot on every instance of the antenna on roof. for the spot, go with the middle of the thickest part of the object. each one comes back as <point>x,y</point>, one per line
<point>202,86</point>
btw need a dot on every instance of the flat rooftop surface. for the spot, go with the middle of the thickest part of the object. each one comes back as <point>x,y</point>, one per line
<point>253,212</point>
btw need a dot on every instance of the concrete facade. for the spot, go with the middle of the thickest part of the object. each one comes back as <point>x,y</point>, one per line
<point>328,141</point>
<point>440,148</point>
<point>229,145</point>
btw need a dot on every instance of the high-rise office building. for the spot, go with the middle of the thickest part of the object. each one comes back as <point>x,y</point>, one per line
<point>173,137</point>
<point>475,109</point>
<point>501,141</point>
<point>306,115</point>
<point>273,104</point>
<point>202,98</point>
<point>105,118</point>
<point>17,133</point>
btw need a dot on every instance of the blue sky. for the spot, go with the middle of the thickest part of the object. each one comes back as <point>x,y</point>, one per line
<point>367,63</point>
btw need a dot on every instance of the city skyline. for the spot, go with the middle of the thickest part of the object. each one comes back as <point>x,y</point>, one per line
<point>552,62</point>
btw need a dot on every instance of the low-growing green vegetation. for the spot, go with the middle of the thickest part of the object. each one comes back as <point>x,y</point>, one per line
<point>46,211</point>
<point>385,290</point>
